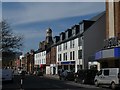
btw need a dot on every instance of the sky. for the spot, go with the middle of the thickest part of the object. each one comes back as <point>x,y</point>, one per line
<point>31,19</point>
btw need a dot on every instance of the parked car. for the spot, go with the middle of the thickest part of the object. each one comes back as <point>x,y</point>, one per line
<point>85,76</point>
<point>39,73</point>
<point>67,75</point>
<point>108,76</point>
<point>7,75</point>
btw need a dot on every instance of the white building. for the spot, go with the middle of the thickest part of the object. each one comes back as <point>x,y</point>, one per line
<point>70,52</point>
<point>21,58</point>
<point>40,58</point>
<point>68,49</point>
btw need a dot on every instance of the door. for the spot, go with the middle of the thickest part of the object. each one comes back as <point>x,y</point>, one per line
<point>105,76</point>
<point>99,77</point>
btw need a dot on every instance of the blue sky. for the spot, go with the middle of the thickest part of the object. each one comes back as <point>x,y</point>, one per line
<point>31,19</point>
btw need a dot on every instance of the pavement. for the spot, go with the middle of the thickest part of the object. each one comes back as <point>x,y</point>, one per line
<point>51,76</point>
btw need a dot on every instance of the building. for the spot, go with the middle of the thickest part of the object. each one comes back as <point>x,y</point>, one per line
<point>53,63</point>
<point>70,47</point>
<point>17,63</point>
<point>42,57</point>
<point>40,60</point>
<point>30,61</point>
<point>93,39</point>
<point>109,55</point>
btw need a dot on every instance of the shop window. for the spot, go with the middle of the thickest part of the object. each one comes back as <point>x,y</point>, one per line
<point>79,54</point>
<point>73,55</point>
<point>70,55</point>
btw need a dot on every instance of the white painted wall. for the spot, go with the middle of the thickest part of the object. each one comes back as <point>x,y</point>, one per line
<point>75,49</point>
<point>40,58</point>
<point>47,69</point>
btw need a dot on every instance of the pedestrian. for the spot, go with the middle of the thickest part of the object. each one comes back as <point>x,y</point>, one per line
<point>22,78</point>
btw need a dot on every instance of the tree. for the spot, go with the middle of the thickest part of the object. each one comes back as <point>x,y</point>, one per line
<point>9,42</point>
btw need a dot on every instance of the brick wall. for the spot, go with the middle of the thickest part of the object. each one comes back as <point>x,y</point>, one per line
<point>53,55</point>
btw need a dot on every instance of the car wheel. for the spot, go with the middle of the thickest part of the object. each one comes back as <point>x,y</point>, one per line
<point>60,78</point>
<point>96,83</point>
<point>75,80</point>
<point>113,86</point>
<point>83,81</point>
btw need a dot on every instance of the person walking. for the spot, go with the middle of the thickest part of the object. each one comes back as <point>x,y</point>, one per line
<point>22,78</point>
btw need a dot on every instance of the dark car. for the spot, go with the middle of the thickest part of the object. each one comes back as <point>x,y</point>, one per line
<point>66,75</point>
<point>39,73</point>
<point>85,76</point>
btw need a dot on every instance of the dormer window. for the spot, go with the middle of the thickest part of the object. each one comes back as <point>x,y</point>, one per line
<point>81,27</point>
<point>73,31</point>
<point>66,34</point>
<point>61,37</point>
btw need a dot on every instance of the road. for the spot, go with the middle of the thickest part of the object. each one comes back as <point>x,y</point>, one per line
<point>41,83</point>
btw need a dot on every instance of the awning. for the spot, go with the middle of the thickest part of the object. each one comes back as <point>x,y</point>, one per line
<point>108,53</point>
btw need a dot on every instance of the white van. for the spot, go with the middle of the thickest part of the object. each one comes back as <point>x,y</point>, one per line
<point>108,76</point>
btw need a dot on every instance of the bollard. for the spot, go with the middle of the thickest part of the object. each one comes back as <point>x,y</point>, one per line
<point>21,83</point>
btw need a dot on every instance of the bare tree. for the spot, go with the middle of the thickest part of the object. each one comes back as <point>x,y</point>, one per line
<point>9,42</point>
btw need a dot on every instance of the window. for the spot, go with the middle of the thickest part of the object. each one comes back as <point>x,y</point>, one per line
<point>63,46</point>
<point>79,54</point>
<point>73,31</point>
<point>66,34</point>
<point>60,57</point>
<point>73,43</point>
<point>73,55</point>
<point>106,72</point>
<point>70,55</point>
<point>79,41</point>
<point>45,61</point>
<point>66,45</point>
<point>59,48</point>
<point>81,28</point>
<point>66,56</point>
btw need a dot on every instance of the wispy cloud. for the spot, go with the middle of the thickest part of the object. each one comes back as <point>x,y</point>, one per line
<point>34,12</point>
<point>30,32</point>
<point>54,0</point>
<point>32,19</point>
<point>0,11</point>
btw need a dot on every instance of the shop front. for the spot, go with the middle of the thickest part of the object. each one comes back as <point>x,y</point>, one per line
<point>67,65</point>
<point>53,68</point>
<point>109,58</point>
